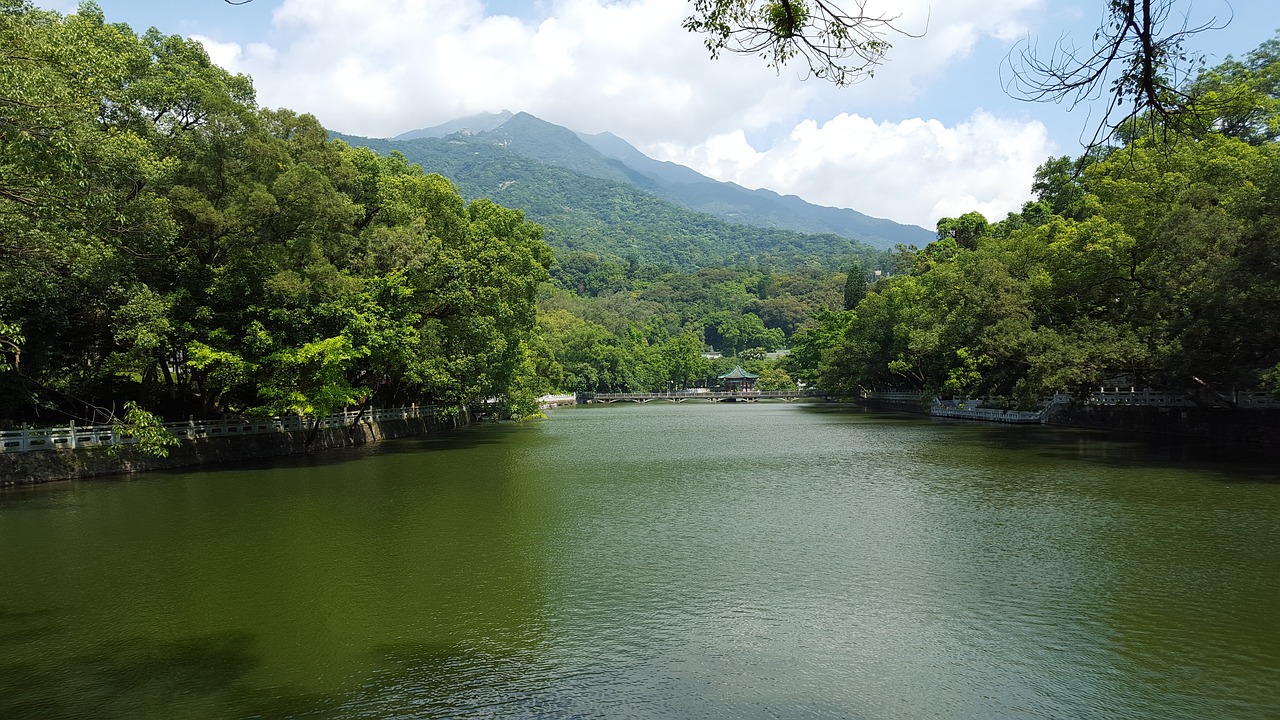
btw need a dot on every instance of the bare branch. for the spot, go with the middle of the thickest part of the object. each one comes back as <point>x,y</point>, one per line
<point>1135,62</point>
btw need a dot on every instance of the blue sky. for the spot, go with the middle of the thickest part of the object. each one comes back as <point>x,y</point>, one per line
<point>933,134</point>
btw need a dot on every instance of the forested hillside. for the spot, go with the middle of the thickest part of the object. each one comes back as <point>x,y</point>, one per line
<point>609,217</point>
<point>609,328</point>
<point>607,157</point>
<point>760,207</point>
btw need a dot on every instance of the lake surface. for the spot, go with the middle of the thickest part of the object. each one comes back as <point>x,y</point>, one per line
<point>691,561</point>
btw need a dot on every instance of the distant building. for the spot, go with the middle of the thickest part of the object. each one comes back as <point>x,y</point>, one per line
<point>737,380</point>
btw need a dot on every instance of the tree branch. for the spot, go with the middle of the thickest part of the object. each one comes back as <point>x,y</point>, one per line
<point>1134,61</point>
<point>837,44</point>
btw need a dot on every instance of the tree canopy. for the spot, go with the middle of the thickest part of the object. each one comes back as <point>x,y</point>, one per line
<point>1152,263</point>
<point>169,243</point>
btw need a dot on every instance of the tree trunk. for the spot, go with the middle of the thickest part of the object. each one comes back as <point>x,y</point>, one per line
<point>355,422</point>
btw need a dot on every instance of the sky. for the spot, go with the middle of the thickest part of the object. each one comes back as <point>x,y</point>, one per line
<point>933,134</point>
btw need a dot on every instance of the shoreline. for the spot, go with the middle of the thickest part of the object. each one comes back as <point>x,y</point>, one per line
<point>1250,426</point>
<point>34,468</point>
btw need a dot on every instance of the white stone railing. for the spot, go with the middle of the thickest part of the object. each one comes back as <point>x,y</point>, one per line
<point>550,401</point>
<point>988,414</point>
<point>72,436</point>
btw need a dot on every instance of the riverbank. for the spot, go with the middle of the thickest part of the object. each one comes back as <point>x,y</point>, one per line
<point>1255,426</point>
<point>30,468</point>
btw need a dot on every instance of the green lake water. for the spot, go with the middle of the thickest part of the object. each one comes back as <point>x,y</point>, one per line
<point>658,561</point>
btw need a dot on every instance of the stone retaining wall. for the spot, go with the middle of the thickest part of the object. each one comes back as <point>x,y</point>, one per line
<point>36,467</point>
<point>1238,425</point>
<point>1244,425</point>
<point>912,406</point>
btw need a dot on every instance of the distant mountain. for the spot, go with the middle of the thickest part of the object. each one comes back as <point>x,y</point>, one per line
<point>609,157</point>
<point>764,208</point>
<point>597,193</point>
<point>473,124</point>
<point>558,146</point>
<point>612,146</point>
<point>582,213</point>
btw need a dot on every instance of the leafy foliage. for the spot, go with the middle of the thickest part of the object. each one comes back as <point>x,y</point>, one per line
<point>651,332</point>
<point>147,428</point>
<point>169,244</point>
<point>1155,263</point>
<point>171,247</point>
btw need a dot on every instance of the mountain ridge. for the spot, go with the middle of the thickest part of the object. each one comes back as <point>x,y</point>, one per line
<point>613,158</point>
<point>584,214</point>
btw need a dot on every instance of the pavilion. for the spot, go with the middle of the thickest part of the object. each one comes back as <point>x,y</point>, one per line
<point>737,380</point>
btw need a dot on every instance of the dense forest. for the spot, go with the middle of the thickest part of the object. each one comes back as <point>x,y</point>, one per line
<point>168,248</point>
<point>605,327</point>
<point>1151,261</point>
<point>168,243</point>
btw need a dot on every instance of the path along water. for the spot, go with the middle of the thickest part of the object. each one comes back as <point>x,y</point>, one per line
<point>709,561</point>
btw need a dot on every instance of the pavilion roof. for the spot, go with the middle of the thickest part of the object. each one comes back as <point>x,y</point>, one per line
<point>738,374</point>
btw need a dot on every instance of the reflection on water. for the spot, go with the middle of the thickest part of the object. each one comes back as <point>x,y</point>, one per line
<point>690,561</point>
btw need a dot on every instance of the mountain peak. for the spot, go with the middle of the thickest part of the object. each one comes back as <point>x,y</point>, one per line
<point>523,121</point>
<point>555,145</point>
<point>471,124</point>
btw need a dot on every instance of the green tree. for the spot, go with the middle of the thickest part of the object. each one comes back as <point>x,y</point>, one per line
<point>684,360</point>
<point>775,379</point>
<point>966,230</point>
<point>1241,98</point>
<point>855,286</point>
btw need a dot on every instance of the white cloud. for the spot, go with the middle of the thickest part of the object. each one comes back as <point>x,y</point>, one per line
<point>914,171</point>
<point>628,67</point>
<point>940,35</point>
<point>232,55</point>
